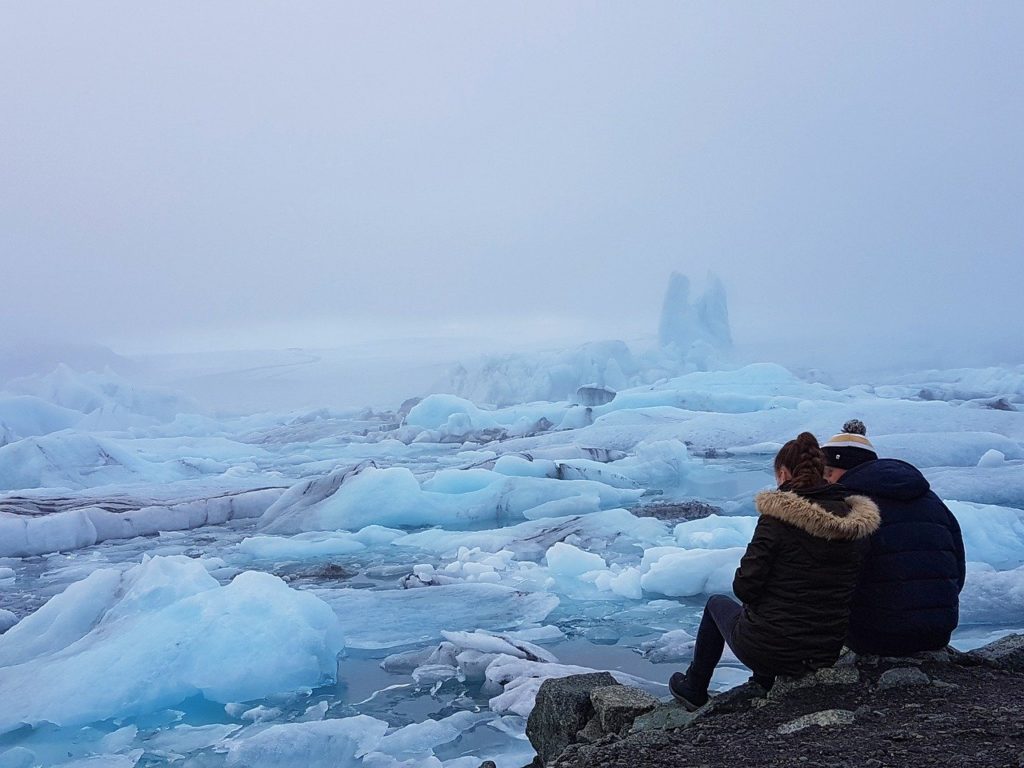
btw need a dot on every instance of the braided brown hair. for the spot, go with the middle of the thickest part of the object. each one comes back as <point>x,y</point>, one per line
<point>804,459</point>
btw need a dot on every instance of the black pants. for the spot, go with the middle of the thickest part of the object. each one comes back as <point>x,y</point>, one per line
<point>716,627</point>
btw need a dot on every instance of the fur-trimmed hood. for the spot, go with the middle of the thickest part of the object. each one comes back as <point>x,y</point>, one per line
<point>789,507</point>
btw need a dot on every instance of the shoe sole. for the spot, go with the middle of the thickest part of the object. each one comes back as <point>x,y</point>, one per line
<point>688,705</point>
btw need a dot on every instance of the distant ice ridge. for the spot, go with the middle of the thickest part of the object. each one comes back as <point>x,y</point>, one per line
<point>960,384</point>
<point>105,400</point>
<point>691,336</point>
<point>74,460</point>
<point>118,644</point>
<point>750,389</point>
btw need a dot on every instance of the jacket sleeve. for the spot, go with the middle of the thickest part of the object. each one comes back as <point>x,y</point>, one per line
<point>756,565</point>
<point>958,545</point>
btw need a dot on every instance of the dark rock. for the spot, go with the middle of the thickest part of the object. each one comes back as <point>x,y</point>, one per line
<point>562,709</point>
<point>543,425</point>
<point>325,572</point>
<point>408,405</point>
<point>838,675</point>
<point>617,706</point>
<point>488,764</point>
<point>682,510</point>
<point>942,709</point>
<point>592,732</point>
<point>1006,653</point>
<point>580,755</point>
<point>604,455</point>
<point>593,395</point>
<point>1000,404</point>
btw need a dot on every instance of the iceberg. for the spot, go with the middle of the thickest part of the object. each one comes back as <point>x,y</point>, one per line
<point>121,643</point>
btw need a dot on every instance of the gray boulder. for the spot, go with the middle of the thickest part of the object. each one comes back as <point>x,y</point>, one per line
<point>823,719</point>
<point>1006,653</point>
<point>902,677</point>
<point>562,710</point>
<point>617,706</point>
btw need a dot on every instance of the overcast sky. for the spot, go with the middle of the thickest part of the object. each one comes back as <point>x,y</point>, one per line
<point>241,174</point>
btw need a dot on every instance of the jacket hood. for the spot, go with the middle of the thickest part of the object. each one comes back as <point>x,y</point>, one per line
<point>887,478</point>
<point>861,521</point>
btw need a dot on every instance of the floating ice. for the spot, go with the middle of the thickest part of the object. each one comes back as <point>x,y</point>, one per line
<point>392,618</point>
<point>470,565</point>
<point>7,620</point>
<point>104,761</point>
<point>715,532</point>
<point>418,740</point>
<point>688,572</point>
<point>531,540</point>
<point>532,521</point>
<point>182,739</point>
<point>320,744</point>
<point>959,384</point>
<point>1001,485</point>
<point>119,644</point>
<point>992,535</point>
<point>71,460</point>
<point>520,679</point>
<point>306,546</point>
<point>990,596</point>
<point>567,560</point>
<point>33,534</point>
<point>946,449</point>
<point>443,412</point>
<point>27,416</point>
<point>105,393</point>
<point>992,458</point>
<point>463,655</point>
<point>350,500</point>
<point>675,645</point>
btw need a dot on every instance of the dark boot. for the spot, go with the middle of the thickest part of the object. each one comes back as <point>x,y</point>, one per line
<point>688,691</point>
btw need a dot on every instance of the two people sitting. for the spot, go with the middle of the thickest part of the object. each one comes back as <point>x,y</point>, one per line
<point>850,550</point>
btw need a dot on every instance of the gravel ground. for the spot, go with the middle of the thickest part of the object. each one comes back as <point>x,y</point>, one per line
<point>962,715</point>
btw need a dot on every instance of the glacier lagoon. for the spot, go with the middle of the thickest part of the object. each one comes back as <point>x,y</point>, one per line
<point>389,587</point>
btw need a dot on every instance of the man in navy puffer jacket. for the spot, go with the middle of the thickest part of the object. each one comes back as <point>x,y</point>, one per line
<point>908,598</point>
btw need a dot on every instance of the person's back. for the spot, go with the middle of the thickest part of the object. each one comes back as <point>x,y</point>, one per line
<point>908,596</point>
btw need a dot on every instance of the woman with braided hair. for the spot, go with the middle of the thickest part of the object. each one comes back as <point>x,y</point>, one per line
<point>796,579</point>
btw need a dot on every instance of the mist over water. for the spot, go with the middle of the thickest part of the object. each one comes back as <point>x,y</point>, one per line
<point>239,177</point>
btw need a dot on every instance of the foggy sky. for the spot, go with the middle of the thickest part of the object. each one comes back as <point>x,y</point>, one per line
<point>177,175</point>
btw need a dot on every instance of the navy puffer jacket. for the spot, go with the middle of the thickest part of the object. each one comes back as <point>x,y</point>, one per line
<point>908,598</point>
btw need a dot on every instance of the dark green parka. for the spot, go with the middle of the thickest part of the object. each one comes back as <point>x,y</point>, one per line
<point>798,575</point>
